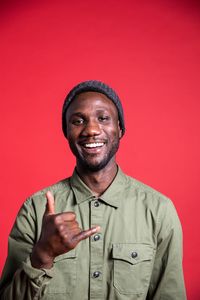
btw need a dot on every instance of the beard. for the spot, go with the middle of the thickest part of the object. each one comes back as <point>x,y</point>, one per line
<point>88,165</point>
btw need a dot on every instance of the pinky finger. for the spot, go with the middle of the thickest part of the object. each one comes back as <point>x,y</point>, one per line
<point>86,233</point>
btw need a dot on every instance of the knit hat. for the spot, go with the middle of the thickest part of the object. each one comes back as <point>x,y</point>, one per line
<point>93,86</point>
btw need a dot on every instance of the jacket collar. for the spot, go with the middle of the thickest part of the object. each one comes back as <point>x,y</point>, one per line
<point>112,196</point>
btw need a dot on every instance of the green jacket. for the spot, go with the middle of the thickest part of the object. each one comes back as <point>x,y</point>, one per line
<point>136,255</point>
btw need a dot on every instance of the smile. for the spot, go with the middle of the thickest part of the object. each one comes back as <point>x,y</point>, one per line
<point>93,145</point>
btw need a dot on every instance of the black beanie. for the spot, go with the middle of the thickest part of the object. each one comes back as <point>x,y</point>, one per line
<point>93,86</point>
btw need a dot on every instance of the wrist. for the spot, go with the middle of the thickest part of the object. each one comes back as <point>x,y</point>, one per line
<point>40,259</point>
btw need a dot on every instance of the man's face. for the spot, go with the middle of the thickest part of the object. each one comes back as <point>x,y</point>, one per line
<point>93,130</point>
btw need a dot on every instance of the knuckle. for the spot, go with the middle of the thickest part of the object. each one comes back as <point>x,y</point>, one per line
<point>65,240</point>
<point>84,234</point>
<point>60,228</point>
<point>81,235</point>
<point>71,215</point>
<point>65,237</point>
<point>75,224</point>
<point>57,220</point>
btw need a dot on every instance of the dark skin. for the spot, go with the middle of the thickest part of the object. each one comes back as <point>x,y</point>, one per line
<point>93,134</point>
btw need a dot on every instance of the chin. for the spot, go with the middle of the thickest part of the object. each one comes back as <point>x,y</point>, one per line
<point>94,167</point>
<point>95,164</point>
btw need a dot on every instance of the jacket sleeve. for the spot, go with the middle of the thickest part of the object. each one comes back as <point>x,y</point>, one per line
<point>19,279</point>
<point>167,281</point>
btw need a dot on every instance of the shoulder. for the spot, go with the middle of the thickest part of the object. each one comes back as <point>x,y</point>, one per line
<point>154,205</point>
<point>150,198</point>
<point>54,188</point>
<point>57,189</point>
<point>147,191</point>
<point>32,210</point>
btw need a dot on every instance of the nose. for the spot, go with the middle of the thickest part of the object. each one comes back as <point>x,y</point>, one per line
<point>92,128</point>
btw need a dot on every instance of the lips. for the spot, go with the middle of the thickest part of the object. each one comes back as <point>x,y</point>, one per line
<point>91,147</point>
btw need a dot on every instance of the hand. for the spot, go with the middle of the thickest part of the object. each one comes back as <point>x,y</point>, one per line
<point>60,233</point>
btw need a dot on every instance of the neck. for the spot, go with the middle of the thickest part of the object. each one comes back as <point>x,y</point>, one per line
<point>98,181</point>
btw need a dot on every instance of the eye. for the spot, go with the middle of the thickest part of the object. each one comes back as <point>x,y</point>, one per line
<point>103,118</point>
<point>77,121</point>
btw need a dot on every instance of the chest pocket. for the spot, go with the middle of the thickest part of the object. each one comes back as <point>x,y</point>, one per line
<point>64,279</point>
<point>132,267</point>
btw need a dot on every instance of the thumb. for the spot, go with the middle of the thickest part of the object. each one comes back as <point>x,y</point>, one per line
<point>50,207</point>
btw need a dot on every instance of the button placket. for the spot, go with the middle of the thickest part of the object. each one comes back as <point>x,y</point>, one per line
<point>96,251</point>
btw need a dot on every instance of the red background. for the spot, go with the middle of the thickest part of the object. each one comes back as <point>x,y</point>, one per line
<point>149,51</point>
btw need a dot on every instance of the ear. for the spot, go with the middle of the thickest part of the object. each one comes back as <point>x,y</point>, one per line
<point>120,131</point>
<point>66,129</point>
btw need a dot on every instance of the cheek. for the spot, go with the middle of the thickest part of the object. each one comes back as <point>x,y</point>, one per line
<point>72,133</point>
<point>114,135</point>
<point>117,132</point>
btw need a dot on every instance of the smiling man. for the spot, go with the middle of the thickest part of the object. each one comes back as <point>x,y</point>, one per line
<point>99,234</point>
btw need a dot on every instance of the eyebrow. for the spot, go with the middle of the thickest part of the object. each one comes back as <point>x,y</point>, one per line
<point>76,114</point>
<point>82,113</point>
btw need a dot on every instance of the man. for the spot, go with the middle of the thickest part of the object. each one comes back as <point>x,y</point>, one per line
<point>98,234</point>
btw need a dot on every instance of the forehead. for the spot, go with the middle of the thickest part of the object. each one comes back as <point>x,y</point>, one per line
<point>90,101</point>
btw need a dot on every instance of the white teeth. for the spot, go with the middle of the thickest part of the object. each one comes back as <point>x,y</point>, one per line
<point>94,145</point>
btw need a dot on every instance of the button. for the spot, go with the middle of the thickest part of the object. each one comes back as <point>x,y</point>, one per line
<point>134,254</point>
<point>96,237</point>
<point>96,203</point>
<point>39,282</point>
<point>96,274</point>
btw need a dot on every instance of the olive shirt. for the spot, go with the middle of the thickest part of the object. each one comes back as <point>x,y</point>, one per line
<point>136,255</point>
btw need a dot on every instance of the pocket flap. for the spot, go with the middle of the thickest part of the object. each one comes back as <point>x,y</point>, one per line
<point>132,252</point>
<point>70,254</point>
